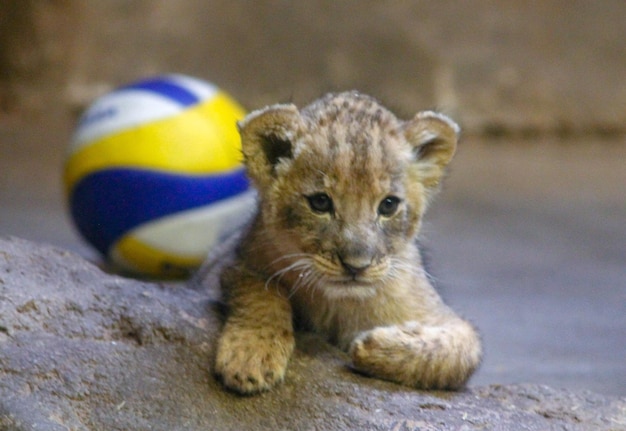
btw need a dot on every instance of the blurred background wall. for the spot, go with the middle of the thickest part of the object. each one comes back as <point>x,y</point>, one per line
<point>511,66</point>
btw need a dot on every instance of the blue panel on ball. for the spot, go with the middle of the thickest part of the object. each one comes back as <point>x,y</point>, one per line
<point>170,90</point>
<point>107,204</point>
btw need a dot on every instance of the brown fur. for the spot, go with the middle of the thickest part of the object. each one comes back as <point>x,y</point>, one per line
<point>350,271</point>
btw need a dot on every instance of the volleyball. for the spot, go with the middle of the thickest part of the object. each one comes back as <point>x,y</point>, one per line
<point>153,175</point>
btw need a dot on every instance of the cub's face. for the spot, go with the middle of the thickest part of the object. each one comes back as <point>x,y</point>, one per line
<point>343,186</point>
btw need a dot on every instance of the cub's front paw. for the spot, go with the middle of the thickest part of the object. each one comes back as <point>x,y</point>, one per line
<point>252,361</point>
<point>379,352</point>
<point>425,357</point>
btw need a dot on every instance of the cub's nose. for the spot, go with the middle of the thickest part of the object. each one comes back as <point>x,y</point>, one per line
<point>355,266</point>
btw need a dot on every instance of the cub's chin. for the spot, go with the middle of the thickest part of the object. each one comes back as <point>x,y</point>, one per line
<point>352,289</point>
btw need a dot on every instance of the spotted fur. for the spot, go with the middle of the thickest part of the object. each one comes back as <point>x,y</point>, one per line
<point>343,185</point>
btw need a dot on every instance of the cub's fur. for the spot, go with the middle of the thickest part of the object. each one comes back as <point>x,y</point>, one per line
<point>342,187</point>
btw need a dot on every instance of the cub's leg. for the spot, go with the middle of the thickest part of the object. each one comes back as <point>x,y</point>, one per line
<point>257,339</point>
<point>423,356</point>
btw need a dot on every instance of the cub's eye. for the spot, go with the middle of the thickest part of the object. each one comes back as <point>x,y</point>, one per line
<point>320,203</point>
<point>388,206</point>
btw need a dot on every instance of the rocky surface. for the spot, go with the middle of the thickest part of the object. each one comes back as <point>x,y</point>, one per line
<point>85,350</point>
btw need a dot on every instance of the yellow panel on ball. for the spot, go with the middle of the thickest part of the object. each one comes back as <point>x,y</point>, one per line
<point>195,141</point>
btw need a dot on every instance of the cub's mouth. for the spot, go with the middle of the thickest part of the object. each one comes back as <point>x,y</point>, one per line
<point>334,279</point>
<point>347,283</point>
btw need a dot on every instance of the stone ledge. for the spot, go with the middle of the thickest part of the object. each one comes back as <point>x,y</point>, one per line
<point>84,350</point>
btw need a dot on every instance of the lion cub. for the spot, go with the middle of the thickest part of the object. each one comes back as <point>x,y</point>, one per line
<point>342,186</point>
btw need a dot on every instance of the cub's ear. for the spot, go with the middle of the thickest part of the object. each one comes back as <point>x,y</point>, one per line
<point>433,137</point>
<point>267,140</point>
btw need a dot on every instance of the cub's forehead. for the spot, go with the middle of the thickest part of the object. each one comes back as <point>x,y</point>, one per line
<point>351,137</point>
<point>350,122</point>
<point>349,110</point>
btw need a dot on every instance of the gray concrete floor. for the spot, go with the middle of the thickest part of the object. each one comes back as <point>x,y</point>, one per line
<point>528,240</point>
